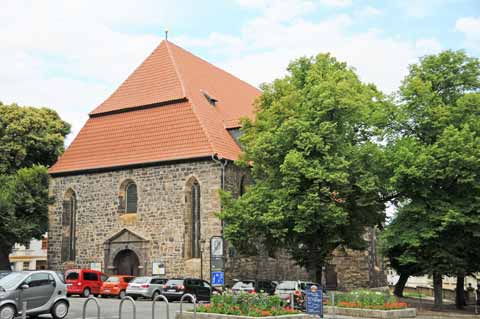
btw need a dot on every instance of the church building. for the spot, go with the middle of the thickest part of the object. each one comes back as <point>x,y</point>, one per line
<point>138,188</point>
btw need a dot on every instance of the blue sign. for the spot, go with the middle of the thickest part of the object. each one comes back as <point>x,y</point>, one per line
<point>314,302</point>
<point>218,278</point>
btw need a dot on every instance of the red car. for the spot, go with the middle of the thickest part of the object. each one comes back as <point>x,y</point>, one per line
<point>115,286</point>
<point>84,282</point>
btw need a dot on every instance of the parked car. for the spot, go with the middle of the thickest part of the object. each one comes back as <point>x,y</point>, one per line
<point>44,292</point>
<point>174,289</point>
<point>254,286</point>
<point>146,287</point>
<point>3,273</point>
<point>115,286</point>
<point>84,282</point>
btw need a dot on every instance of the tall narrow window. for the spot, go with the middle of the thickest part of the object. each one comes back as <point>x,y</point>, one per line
<point>69,226</point>
<point>195,220</point>
<point>131,198</point>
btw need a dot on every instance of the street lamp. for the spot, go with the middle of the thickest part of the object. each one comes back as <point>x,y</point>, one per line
<point>202,244</point>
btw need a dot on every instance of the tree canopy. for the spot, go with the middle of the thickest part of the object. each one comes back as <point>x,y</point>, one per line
<point>434,157</point>
<point>318,172</point>
<point>30,139</point>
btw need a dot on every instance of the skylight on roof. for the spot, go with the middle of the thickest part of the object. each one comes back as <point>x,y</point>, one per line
<point>213,101</point>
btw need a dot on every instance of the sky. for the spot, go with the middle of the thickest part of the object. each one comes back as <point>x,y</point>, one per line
<point>71,55</point>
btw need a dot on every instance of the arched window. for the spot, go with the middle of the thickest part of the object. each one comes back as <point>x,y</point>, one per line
<point>192,219</point>
<point>69,215</point>
<point>131,198</point>
<point>242,185</point>
<point>196,220</point>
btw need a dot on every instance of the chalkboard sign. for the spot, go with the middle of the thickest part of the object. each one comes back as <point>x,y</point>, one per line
<point>314,302</point>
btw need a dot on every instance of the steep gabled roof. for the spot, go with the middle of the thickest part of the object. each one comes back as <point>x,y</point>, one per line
<point>173,106</point>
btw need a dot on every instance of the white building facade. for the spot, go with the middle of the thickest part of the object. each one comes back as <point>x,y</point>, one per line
<point>32,256</point>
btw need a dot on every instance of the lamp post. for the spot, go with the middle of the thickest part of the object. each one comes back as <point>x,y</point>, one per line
<point>202,244</point>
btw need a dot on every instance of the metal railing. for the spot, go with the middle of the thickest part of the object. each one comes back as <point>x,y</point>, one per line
<point>164,300</point>
<point>194,301</point>
<point>130,299</point>
<point>85,307</point>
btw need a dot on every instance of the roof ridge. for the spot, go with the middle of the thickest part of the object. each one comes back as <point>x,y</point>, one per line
<point>190,100</point>
<point>174,62</point>
<point>213,65</point>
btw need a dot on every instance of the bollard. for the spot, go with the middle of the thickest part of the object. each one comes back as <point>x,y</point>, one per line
<point>292,301</point>
<point>24,310</point>
<point>194,300</point>
<point>333,304</point>
<point>153,305</point>
<point>121,305</point>
<point>85,307</point>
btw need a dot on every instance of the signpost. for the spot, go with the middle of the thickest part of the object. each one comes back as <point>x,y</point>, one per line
<point>218,278</point>
<point>217,261</point>
<point>314,300</point>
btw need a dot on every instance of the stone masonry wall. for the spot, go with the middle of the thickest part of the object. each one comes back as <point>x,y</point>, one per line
<point>159,218</point>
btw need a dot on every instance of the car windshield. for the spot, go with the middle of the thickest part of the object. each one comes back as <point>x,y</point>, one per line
<point>287,285</point>
<point>175,282</point>
<point>140,280</point>
<point>113,279</point>
<point>11,280</point>
<point>243,285</point>
<point>73,275</point>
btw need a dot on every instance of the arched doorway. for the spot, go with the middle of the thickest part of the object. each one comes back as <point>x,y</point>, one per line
<point>126,263</point>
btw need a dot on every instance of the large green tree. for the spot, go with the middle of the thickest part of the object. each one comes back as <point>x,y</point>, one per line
<point>318,173</point>
<point>434,156</point>
<point>30,140</point>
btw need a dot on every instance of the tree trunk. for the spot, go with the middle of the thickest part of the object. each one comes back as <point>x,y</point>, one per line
<point>4,259</point>
<point>400,285</point>
<point>460,292</point>
<point>437,289</point>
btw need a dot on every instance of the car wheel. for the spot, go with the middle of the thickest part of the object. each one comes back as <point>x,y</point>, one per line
<point>122,294</point>
<point>86,292</point>
<point>7,312</point>
<point>59,309</point>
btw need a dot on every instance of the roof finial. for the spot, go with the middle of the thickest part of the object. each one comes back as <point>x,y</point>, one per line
<point>166,34</point>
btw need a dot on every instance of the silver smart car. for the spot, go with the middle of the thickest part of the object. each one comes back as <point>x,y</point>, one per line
<point>44,291</point>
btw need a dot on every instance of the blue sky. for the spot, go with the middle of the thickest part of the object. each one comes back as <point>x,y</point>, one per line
<point>70,55</point>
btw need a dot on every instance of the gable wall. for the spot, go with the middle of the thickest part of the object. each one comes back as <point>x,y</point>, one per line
<point>159,219</point>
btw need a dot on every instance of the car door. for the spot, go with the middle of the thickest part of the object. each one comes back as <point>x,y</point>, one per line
<point>92,281</point>
<point>40,288</point>
<point>204,290</point>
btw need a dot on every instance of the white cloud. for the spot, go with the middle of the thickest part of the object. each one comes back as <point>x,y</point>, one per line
<point>337,3</point>
<point>368,11</point>
<point>427,46</point>
<point>270,45</point>
<point>470,27</point>
<point>67,55</point>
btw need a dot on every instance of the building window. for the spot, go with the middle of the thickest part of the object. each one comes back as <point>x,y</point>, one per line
<point>128,197</point>
<point>69,226</point>
<point>26,265</point>
<point>131,198</point>
<point>242,186</point>
<point>44,243</point>
<point>192,219</point>
<point>196,220</point>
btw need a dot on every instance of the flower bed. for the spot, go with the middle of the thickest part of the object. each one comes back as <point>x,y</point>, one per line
<point>365,299</point>
<point>251,305</point>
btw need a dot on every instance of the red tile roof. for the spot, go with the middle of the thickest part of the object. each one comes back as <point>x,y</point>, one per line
<point>161,113</point>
